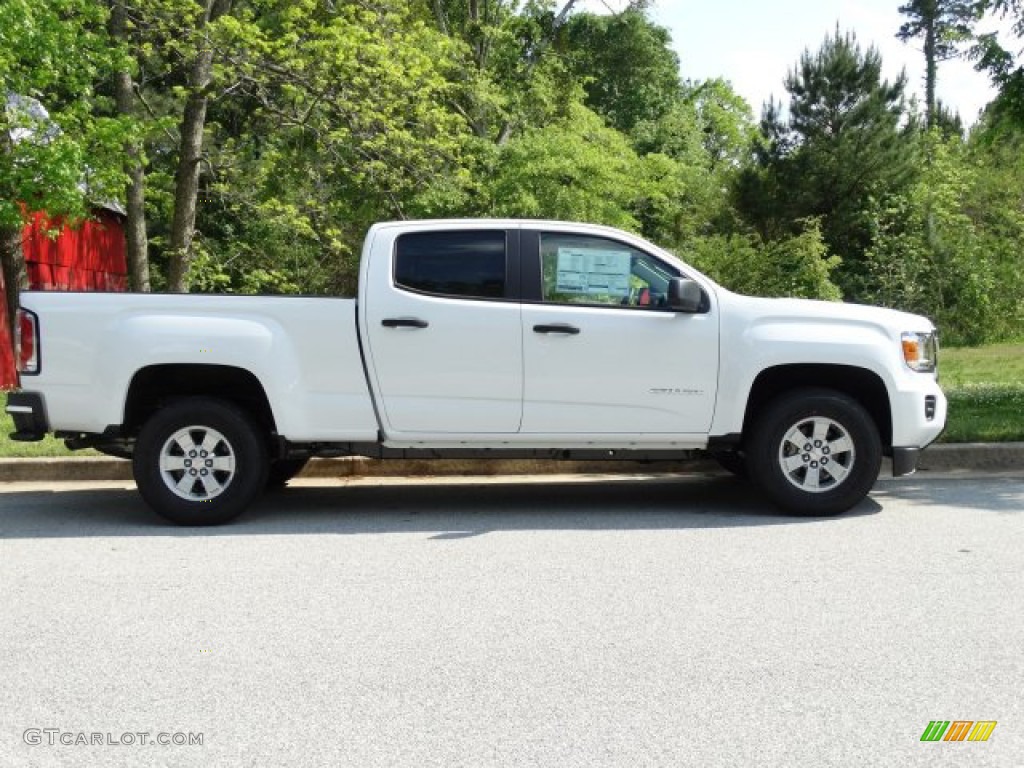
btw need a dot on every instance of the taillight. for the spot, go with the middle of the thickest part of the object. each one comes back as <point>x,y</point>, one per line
<point>28,342</point>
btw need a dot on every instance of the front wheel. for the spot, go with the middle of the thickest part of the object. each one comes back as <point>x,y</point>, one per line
<point>200,461</point>
<point>815,452</point>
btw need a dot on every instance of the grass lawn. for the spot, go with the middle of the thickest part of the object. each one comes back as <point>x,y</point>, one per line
<point>50,446</point>
<point>985,387</point>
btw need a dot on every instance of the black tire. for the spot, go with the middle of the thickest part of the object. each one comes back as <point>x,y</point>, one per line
<point>732,461</point>
<point>815,452</point>
<point>227,459</point>
<point>283,470</point>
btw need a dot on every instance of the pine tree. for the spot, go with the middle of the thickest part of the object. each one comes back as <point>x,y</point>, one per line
<point>943,26</point>
<point>847,141</point>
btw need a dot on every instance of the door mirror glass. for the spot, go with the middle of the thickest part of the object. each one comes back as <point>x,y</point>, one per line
<point>684,295</point>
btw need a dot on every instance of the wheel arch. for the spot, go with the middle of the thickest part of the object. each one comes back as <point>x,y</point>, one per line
<point>861,384</point>
<point>154,386</point>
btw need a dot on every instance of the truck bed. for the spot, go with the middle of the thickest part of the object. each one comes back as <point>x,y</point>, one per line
<point>304,350</point>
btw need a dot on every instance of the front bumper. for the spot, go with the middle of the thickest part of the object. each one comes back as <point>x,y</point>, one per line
<point>29,413</point>
<point>919,417</point>
<point>904,461</point>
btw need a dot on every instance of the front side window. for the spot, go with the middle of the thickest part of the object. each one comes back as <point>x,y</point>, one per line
<point>580,269</point>
<point>468,264</point>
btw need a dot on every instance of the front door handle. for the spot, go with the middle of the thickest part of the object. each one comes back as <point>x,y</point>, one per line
<point>404,322</point>
<point>571,330</point>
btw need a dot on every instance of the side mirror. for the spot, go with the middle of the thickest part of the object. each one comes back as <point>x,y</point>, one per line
<point>684,295</point>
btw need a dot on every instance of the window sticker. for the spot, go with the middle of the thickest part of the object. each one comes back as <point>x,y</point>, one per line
<point>593,272</point>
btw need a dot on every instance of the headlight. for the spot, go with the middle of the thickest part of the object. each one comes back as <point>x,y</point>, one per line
<point>921,351</point>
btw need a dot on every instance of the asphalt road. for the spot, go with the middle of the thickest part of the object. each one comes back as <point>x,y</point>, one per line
<point>565,622</point>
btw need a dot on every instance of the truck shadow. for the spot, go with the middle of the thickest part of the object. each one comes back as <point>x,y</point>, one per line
<point>448,511</point>
<point>988,492</point>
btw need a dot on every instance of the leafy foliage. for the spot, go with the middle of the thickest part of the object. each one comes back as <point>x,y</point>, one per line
<point>927,256</point>
<point>797,266</point>
<point>56,148</point>
<point>318,118</point>
<point>629,72</point>
<point>944,27</point>
<point>335,118</point>
<point>59,149</point>
<point>577,169</point>
<point>844,146</point>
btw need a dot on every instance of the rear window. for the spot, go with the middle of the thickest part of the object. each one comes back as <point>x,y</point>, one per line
<point>470,264</point>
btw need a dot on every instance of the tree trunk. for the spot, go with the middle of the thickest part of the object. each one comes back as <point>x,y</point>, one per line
<point>12,257</point>
<point>15,273</point>
<point>186,186</point>
<point>135,190</point>
<point>930,71</point>
<point>135,232</point>
<point>476,30</point>
<point>186,178</point>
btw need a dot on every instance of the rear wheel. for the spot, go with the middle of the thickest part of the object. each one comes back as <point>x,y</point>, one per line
<point>200,461</point>
<point>815,452</point>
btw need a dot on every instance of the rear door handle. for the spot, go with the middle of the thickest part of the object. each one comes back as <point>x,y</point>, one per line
<point>404,322</point>
<point>571,330</point>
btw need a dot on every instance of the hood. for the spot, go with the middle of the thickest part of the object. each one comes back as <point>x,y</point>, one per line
<point>892,320</point>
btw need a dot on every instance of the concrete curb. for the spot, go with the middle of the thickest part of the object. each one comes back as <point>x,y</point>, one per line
<point>980,457</point>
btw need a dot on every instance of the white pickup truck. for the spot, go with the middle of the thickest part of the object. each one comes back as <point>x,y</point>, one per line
<point>481,338</point>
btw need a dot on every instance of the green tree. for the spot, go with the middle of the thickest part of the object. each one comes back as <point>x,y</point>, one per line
<point>56,154</point>
<point>582,169</point>
<point>625,61</point>
<point>797,266</point>
<point>174,64</point>
<point>137,239</point>
<point>338,118</point>
<point>848,141</point>
<point>577,169</point>
<point>727,123</point>
<point>992,202</point>
<point>709,124</point>
<point>943,26</point>
<point>948,121</point>
<point>505,76</point>
<point>277,130</point>
<point>929,256</point>
<point>1001,58</point>
<point>198,68</point>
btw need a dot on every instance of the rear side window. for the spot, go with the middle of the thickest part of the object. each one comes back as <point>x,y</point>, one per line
<point>470,264</point>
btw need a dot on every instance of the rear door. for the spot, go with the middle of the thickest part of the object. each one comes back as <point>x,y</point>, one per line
<point>602,353</point>
<point>441,314</point>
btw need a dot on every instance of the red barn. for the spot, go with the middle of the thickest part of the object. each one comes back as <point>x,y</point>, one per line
<point>90,257</point>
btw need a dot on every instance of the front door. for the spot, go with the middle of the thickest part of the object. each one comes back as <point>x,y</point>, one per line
<point>602,354</point>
